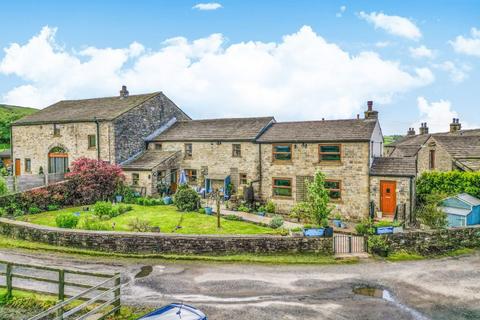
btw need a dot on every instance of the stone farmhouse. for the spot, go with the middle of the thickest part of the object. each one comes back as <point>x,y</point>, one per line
<point>456,149</point>
<point>155,141</point>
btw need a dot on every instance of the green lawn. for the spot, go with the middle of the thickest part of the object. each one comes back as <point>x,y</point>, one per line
<point>165,217</point>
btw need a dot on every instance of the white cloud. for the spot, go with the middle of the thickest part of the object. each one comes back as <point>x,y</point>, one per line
<point>382,44</point>
<point>342,9</point>
<point>395,25</point>
<point>421,52</point>
<point>457,73</point>
<point>438,115</point>
<point>468,46</point>
<point>301,77</point>
<point>207,6</point>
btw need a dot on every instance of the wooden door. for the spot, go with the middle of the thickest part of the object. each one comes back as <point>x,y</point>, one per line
<point>173,180</point>
<point>388,197</point>
<point>17,167</point>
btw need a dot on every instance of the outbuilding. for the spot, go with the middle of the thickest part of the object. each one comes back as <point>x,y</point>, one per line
<point>462,210</point>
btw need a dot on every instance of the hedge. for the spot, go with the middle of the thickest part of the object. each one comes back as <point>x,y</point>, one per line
<point>450,183</point>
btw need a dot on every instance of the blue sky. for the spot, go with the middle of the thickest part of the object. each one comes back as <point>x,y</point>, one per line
<point>418,60</point>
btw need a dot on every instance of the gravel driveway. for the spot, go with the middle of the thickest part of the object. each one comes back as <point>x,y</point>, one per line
<point>446,288</point>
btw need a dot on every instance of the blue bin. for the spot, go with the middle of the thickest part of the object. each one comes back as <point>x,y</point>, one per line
<point>384,230</point>
<point>314,232</point>
<point>167,200</point>
<point>208,210</point>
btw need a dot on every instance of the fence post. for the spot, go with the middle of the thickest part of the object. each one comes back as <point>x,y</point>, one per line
<point>61,290</point>
<point>8,280</point>
<point>349,244</point>
<point>117,302</point>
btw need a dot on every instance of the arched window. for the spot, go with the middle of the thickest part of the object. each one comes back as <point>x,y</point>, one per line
<point>57,160</point>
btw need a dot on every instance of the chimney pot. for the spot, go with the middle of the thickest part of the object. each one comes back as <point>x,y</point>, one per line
<point>455,125</point>
<point>423,128</point>
<point>124,92</point>
<point>370,113</point>
<point>370,105</point>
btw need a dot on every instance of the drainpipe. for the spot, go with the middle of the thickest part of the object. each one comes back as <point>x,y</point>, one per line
<point>12,165</point>
<point>411,200</point>
<point>260,168</point>
<point>98,137</point>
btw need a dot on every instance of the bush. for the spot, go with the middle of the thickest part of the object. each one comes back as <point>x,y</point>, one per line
<point>429,214</point>
<point>103,208</point>
<point>378,245</point>
<point>139,225</point>
<point>201,210</point>
<point>270,207</point>
<point>276,222</point>
<point>3,186</point>
<point>243,208</point>
<point>66,220</point>
<point>233,217</point>
<point>52,207</point>
<point>447,183</point>
<point>34,210</point>
<point>94,223</point>
<point>3,212</point>
<point>186,199</point>
<point>365,227</point>
<point>143,201</point>
<point>124,208</point>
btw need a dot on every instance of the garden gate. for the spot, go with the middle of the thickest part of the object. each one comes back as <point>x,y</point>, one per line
<point>346,243</point>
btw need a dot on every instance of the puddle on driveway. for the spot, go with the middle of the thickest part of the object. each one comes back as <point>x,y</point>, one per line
<point>387,296</point>
<point>144,271</point>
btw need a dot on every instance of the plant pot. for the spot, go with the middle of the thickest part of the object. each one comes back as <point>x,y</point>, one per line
<point>343,225</point>
<point>379,215</point>
<point>261,213</point>
<point>118,199</point>
<point>167,200</point>
<point>383,230</point>
<point>314,232</point>
<point>209,210</point>
<point>328,232</point>
<point>398,229</point>
<point>337,223</point>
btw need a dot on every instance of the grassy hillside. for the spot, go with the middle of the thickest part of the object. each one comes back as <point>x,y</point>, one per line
<point>8,114</point>
<point>391,139</point>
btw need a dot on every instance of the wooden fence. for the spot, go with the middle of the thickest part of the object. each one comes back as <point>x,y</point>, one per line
<point>83,299</point>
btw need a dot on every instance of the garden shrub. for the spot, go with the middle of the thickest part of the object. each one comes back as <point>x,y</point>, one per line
<point>34,210</point>
<point>365,227</point>
<point>448,183</point>
<point>66,220</point>
<point>124,208</point>
<point>429,214</point>
<point>103,208</point>
<point>270,207</point>
<point>378,245</point>
<point>94,223</point>
<point>144,201</point>
<point>233,217</point>
<point>52,207</point>
<point>139,225</point>
<point>276,222</point>
<point>3,212</point>
<point>186,199</point>
<point>201,210</point>
<point>243,208</point>
<point>3,186</point>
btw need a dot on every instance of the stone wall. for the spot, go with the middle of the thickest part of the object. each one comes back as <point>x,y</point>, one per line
<point>435,242</point>
<point>443,160</point>
<point>403,192</point>
<point>134,126</point>
<point>154,243</point>
<point>352,171</point>
<point>35,141</point>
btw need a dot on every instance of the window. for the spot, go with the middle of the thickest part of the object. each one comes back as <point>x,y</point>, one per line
<point>92,141</point>
<point>236,150</point>
<point>431,160</point>
<point>335,189</point>
<point>282,152</point>
<point>191,175</point>
<point>57,160</point>
<point>135,179</point>
<point>243,178</point>
<point>282,187</point>
<point>158,146</point>
<point>329,152</point>
<point>161,175</point>
<point>56,130</point>
<point>188,150</point>
<point>28,165</point>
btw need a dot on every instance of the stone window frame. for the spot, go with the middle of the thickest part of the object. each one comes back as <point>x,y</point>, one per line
<point>188,147</point>
<point>282,187</point>
<point>242,178</point>
<point>236,150</point>
<point>157,146</point>
<point>339,153</point>
<point>339,189</point>
<point>92,141</point>
<point>274,153</point>
<point>28,165</point>
<point>135,179</point>
<point>431,159</point>
<point>192,175</point>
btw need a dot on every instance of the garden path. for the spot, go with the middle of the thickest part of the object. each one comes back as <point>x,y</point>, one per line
<point>251,217</point>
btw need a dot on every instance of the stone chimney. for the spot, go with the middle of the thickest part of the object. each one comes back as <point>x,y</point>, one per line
<point>455,125</point>
<point>423,128</point>
<point>370,113</point>
<point>411,132</point>
<point>123,92</point>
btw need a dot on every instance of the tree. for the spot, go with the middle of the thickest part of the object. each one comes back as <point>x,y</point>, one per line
<point>94,180</point>
<point>3,186</point>
<point>316,208</point>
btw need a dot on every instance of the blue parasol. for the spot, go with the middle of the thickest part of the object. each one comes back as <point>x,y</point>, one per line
<point>183,178</point>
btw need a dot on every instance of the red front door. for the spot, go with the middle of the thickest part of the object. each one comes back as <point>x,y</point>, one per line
<point>388,197</point>
<point>17,167</point>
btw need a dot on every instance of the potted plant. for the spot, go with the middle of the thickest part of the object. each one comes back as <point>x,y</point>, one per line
<point>328,230</point>
<point>310,230</point>
<point>337,220</point>
<point>383,227</point>
<point>261,211</point>
<point>296,232</point>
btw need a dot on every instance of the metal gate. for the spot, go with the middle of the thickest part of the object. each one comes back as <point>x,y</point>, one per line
<point>344,243</point>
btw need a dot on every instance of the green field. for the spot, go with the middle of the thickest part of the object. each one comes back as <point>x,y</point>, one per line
<point>165,217</point>
<point>8,114</point>
<point>391,139</point>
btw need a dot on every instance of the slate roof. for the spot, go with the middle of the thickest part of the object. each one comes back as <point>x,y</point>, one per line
<point>468,164</point>
<point>148,160</point>
<point>460,146</point>
<point>319,131</point>
<point>86,110</point>
<point>231,129</point>
<point>390,166</point>
<point>471,200</point>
